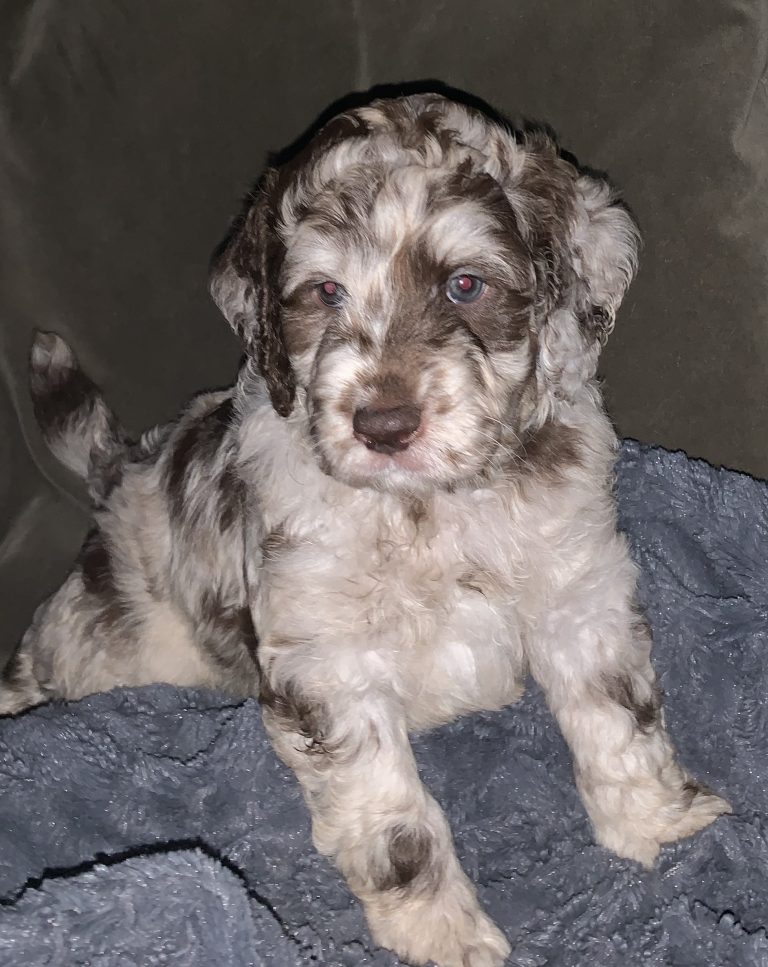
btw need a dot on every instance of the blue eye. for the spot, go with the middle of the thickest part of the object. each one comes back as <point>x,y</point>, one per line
<point>331,293</point>
<point>464,288</point>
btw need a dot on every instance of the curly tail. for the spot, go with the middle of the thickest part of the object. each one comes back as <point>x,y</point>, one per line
<point>78,426</point>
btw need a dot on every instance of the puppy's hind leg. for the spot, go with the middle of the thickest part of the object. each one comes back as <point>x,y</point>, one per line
<point>372,815</point>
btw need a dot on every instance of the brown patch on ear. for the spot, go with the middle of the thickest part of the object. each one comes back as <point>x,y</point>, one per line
<point>245,285</point>
<point>598,323</point>
<point>271,351</point>
<point>546,195</point>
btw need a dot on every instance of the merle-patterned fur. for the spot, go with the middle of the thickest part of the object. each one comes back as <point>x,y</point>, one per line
<point>401,509</point>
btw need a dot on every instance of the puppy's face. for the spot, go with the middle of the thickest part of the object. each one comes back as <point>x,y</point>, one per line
<point>432,288</point>
<point>407,311</point>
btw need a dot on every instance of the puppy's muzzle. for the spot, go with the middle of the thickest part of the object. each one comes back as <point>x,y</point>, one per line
<point>387,430</point>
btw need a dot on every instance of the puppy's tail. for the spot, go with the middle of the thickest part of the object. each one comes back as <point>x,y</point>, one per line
<point>77,424</point>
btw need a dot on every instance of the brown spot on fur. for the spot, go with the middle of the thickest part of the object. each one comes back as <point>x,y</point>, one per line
<point>470,582</point>
<point>95,564</point>
<point>303,319</point>
<point>417,511</point>
<point>198,444</point>
<point>692,788</point>
<point>409,853</point>
<point>646,711</point>
<point>14,676</point>
<point>362,340</point>
<point>248,631</point>
<point>597,324</point>
<point>453,457</point>
<point>275,542</point>
<point>347,209</point>
<point>229,633</point>
<point>107,476</point>
<point>640,625</point>
<point>231,495</point>
<point>550,452</point>
<point>148,450</point>
<point>424,316</point>
<point>389,390</point>
<point>427,124</point>
<point>482,581</point>
<point>296,713</point>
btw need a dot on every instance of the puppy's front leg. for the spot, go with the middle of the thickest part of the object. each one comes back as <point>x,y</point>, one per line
<point>593,662</point>
<point>370,812</point>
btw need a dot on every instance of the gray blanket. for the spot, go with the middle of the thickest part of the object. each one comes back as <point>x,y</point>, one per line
<point>155,826</point>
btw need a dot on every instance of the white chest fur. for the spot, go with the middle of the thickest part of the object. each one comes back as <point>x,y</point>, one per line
<point>419,597</point>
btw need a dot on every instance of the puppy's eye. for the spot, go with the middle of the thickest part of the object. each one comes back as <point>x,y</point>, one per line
<point>331,293</point>
<point>464,288</point>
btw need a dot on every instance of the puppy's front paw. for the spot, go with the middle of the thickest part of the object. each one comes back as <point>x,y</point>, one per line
<point>447,927</point>
<point>676,817</point>
<point>701,808</point>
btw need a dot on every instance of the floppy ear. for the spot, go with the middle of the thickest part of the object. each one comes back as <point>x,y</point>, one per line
<point>606,243</point>
<point>591,258</point>
<point>244,281</point>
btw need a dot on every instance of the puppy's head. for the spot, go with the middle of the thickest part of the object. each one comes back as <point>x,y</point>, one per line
<point>425,288</point>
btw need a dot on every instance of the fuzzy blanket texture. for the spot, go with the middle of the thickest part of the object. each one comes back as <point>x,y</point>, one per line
<point>156,827</point>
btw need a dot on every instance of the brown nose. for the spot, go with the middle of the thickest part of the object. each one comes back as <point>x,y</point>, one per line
<point>386,430</point>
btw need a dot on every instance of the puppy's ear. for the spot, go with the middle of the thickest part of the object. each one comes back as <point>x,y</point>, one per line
<point>244,283</point>
<point>584,244</point>
<point>606,241</point>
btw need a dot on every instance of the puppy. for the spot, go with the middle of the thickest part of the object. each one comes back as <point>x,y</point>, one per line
<point>401,509</point>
